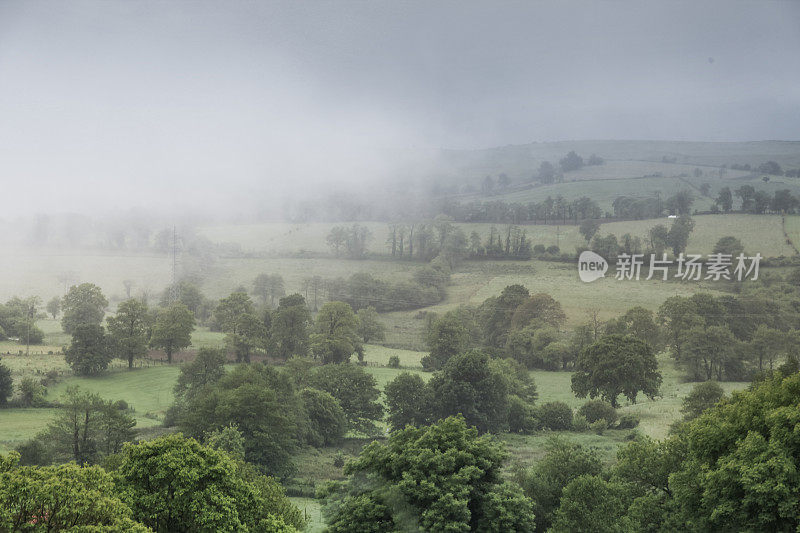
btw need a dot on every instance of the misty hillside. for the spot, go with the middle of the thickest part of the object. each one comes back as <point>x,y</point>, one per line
<point>520,160</point>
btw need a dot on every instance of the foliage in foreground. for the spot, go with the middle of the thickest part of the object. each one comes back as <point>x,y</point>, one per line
<point>732,468</point>
<point>444,477</point>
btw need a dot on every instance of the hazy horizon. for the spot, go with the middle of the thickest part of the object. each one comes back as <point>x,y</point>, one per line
<point>204,105</point>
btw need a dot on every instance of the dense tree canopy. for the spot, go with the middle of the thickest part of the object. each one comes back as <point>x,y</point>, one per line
<point>90,351</point>
<point>61,498</point>
<point>335,336</point>
<point>174,484</point>
<point>615,365</point>
<point>438,478</point>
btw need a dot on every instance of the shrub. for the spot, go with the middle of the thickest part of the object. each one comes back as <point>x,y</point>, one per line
<point>394,361</point>
<point>628,421</point>
<point>31,393</point>
<point>338,460</point>
<point>599,426</point>
<point>579,423</point>
<point>595,410</point>
<point>521,415</point>
<point>555,416</point>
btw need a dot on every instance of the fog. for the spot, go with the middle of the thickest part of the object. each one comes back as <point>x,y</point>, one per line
<point>231,108</point>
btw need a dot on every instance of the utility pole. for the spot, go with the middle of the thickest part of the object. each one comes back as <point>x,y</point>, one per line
<point>558,237</point>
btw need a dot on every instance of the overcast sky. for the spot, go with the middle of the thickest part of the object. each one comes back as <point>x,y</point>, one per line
<point>122,103</point>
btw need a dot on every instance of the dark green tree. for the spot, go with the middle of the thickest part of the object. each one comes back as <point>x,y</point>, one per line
<point>129,329</point>
<point>544,482</point>
<point>6,384</point>
<point>173,329</point>
<point>469,386</point>
<point>207,369</point>
<point>174,484</point>
<point>370,328</point>
<point>262,403</point>
<point>445,338</point>
<point>89,352</point>
<point>356,391</point>
<point>327,422</point>
<point>615,365</point>
<point>703,396</point>
<point>729,245</point>
<point>678,236</point>
<point>445,476</point>
<point>335,336</point>
<point>290,324</point>
<point>61,498</point>
<point>408,401</point>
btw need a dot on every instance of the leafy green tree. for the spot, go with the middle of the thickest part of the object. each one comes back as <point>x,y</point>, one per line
<point>725,199</point>
<point>710,353</point>
<point>370,328</point>
<point>262,403</point>
<point>173,329</point>
<point>89,352</point>
<point>539,310</point>
<point>469,386</point>
<point>228,439</point>
<point>445,338</point>
<point>31,393</point>
<point>592,504</point>
<point>595,410</point>
<point>86,428</point>
<point>518,380</point>
<point>174,484</point>
<point>367,513</point>
<point>703,396</point>
<point>249,335</point>
<point>640,323</point>
<point>588,228</point>
<point>606,247</point>
<point>327,423</point>
<point>6,384</point>
<point>742,459</point>
<point>356,391</point>
<point>207,368</point>
<point>83,305</point>
<point>556,416</point>
<point>679,232</point>
<point>677,315</point>
<point>658,237</point>
<point>496,313</point>
<point>290,325</point>
<point>615,365</point>
<point>768,344</point>
<point>128,330</point>
<point>544,482</point>
<point>438,493</point>
<point>61,498</point>
<point>54,306</point>
<point>335,336</point>
<point>236,316</point>
<point>729,245</point>
<point>570,162</point>
<point>408,401</point>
